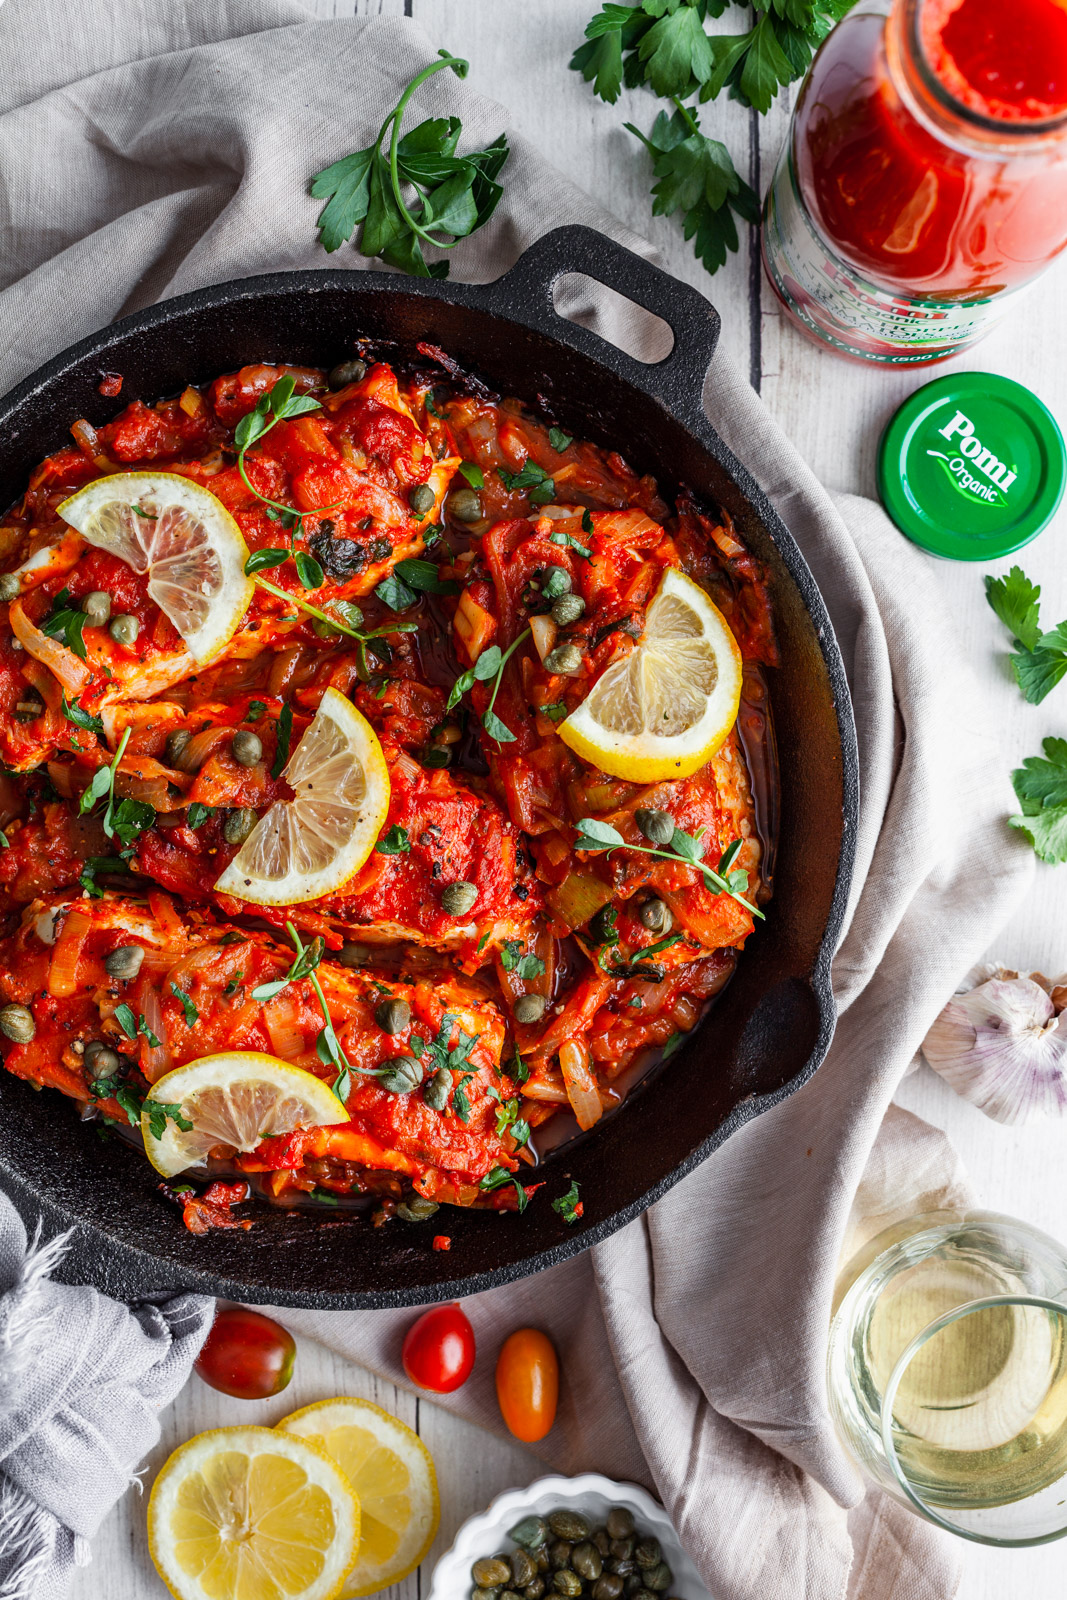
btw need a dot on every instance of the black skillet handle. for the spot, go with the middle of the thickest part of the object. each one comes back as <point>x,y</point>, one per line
<point>526,294</point>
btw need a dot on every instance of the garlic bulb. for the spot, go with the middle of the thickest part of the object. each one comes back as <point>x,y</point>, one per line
<point>1003,1046</point>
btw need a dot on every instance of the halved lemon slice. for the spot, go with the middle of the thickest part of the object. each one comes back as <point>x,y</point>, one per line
<point>307,847</point>
<point>185,539</point>
<point>392,1473</point>
<point>236,1098</point>
<point>664,710</point>
<point>252,1514</point>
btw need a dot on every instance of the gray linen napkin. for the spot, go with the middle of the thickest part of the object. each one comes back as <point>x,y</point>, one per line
<point>149,150</point>
<point>82,1381</point>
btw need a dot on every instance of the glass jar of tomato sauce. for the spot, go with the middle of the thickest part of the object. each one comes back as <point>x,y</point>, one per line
<point>924,179</point>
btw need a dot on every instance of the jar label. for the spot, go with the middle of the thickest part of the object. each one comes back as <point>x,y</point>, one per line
<point>847,310</point>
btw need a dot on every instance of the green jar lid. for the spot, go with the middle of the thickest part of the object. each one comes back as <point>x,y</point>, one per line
<point>972,466</point>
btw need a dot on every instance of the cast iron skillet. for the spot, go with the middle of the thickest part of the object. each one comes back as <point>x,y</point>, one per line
<point>770,1029</point>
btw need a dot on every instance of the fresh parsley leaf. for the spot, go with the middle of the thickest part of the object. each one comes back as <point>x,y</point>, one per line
<point>129,818</point>
<point>473,474</point>
<point>394,841</point>
<point>1041,788</point>
<point>555,712</point>
<point>540,484</point>
<point>461,1106</point>
<point>569,1205</point>
<point>453,195</point>
<point>130,1102</point>
<point>1039,671</point>
<point>696,176</point>
<point>285,734</point>
<point>498,1177</point>
<point>66,622</point>
<point>672,1044</point>
<point>198,814</point>
<point>513,959</point>
<point>234,984</point>
<point>192,1015</point>
<point>256,708</point>
<point>675,51</point>
<point>614,29</point>
<point>560,536</point>
<point>518,1069</point>
<point>1015,600</point>
<point>126,1021</point>
<point>559,440</point>
<point>160,1112</point>
<point>73,711</point>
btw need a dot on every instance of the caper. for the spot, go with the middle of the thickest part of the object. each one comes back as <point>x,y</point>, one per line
<point>534,1589</point>
<point>602,925</point>
<point>523,1570</point>
<point>571,1525</point>
<point>421,499</point>
<point>124,630</point>
<point>587,1560</point>
<point>458,898</point>
<point>97,608</point>
<point>623,1565</point>
<point>247,748</point>
<point>29,706</point>
<point>658,1578</point>
<point>10,587</point>
<point>177,744</point>
<point>100,1060</point>
<point>491,1572</point>
<point>567,609</point>
<point>648,1553</point>
<point>400,1075</point>
<point>239,824</point>
<point>464,505</point>
<point>392,1015</point>
<point>608,1587</point>
<point>347,372</point>
<point>624,1548</point>
<point>125,962</point>
<point>16,1022</point>
<point>565,660</point>
<point>438,1089</point>
<point>559,1553</point>
<point>567,1583</point>
<point>416,1209</point>
<point>543,1563</point>
<point>478,1593</point>
<point>531,1533</point>
<point>352,954</point>
<point>654,916</point>
<point>657,826</point>
<point>641,1593</point>
<point>530,1008</point>
<point>602,1540</point>
<point>509,1594</point>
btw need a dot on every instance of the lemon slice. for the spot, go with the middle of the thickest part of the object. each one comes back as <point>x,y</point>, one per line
<point>307,847</point>
<point>185,539</point>
<point>236,1098</point>
<point>252,1514</point>
<point>392,1473</point>
<point>664,710</point>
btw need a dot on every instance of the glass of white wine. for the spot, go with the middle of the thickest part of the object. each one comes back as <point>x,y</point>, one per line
<point>947,1373</point>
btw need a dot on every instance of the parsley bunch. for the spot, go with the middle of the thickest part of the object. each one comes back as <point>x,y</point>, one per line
<point>1041,789</point>
<point>663,45</point>
<point>419,192</point>
<point>1039,659</point>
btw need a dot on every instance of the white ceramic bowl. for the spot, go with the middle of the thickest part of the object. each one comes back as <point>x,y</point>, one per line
<point>487,1533</point>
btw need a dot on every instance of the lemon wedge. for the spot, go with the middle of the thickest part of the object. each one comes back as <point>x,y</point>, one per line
<point>236,1098</point>
<point>252,1514</point>
<point>308,847</point>
<point>392,1473</point>
<point>187,542</point>
<point>668,706</point>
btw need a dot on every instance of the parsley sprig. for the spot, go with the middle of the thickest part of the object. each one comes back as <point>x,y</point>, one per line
<point>498,1177</point>
<point>453,195</point>
<point>1041,788</point>
<point>594,835</point>
<point>663,46</point>
<point>1039,660</point>
<point>489,668</point>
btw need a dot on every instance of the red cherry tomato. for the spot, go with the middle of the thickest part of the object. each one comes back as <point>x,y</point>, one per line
<point>527,1383</point>
<point>439,1350</point>
<point>246,1354</point>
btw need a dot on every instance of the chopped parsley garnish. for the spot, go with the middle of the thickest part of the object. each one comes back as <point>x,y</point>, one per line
<point>559,440</point>
<point>513,959</point>
<point>541,485</point>
<point>569,1205</point>
<point>256,708</point>
<point>472,473</point>
<point>74,712</point>
<point>198,814</point>
<point>498,1177</point>
<point>65,622</point>
<point>192,1015</point>
<point>555,712</point>
<point>234,984</point>
<point>132,1026</point>
<point>558,536</point>
<point>394,841</point>
<point>160,1112</point>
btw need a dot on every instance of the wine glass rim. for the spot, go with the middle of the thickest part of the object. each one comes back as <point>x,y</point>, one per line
<point>968,1308</point>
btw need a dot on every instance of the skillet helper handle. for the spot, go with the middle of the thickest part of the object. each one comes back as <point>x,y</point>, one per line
<point>526,293</point>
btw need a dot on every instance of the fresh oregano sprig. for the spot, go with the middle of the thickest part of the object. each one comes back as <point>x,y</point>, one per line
<point>594,835</point>
<point>448,198</point>
<point>489,668</point>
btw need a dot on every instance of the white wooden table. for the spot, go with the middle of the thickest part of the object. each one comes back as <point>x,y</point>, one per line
<point>834,411</point>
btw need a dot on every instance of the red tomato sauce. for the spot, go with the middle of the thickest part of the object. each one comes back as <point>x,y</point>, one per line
<point>546,923</point>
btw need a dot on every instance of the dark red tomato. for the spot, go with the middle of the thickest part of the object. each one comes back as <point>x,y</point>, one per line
<point>247,1354</point>
<point>439,1350</point>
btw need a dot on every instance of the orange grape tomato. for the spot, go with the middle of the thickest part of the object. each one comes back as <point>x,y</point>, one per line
<point>527,1383</point>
